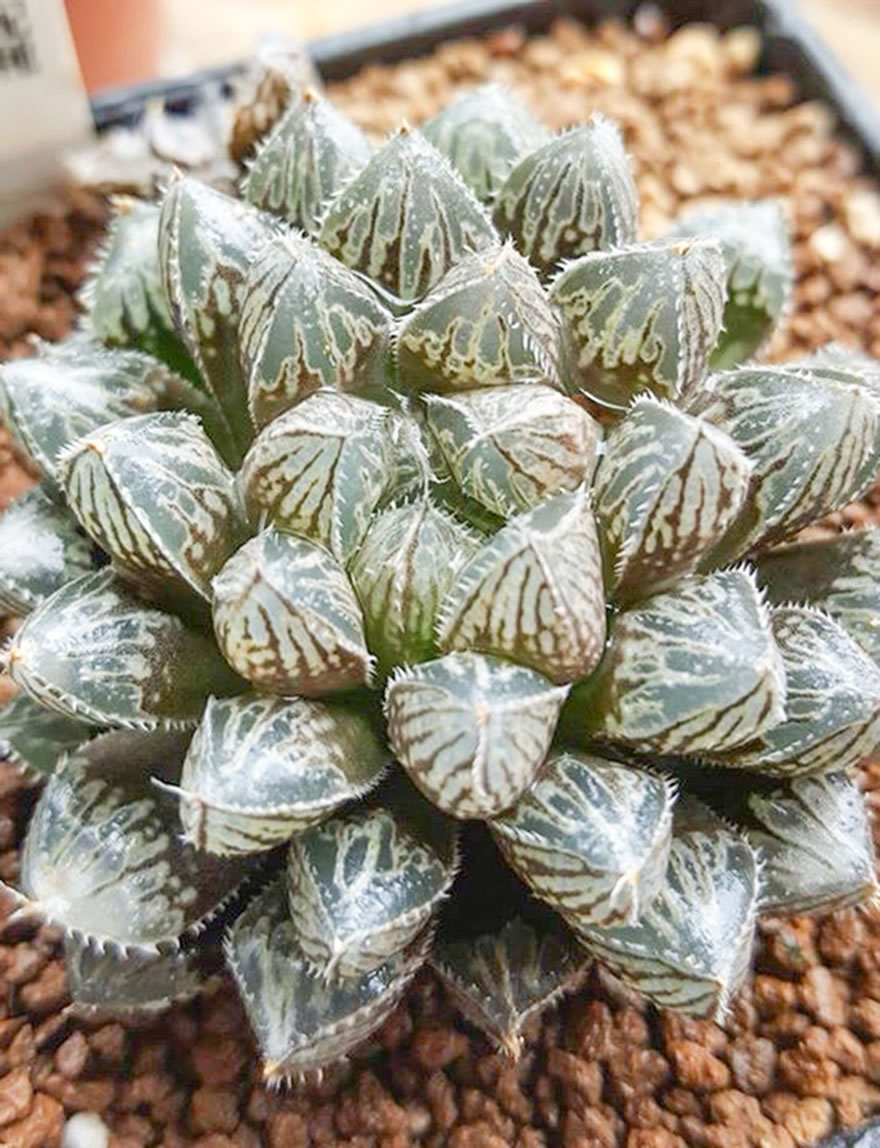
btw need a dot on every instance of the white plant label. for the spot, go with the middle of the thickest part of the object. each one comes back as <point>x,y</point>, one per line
<point>43,104</point>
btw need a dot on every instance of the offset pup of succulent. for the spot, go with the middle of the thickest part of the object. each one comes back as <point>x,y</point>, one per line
<point>396,538</point>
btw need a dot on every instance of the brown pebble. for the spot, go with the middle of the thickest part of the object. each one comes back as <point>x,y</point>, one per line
<point>695,1067</point>
<point>583,1077</point>
<point>16,1096</point>
<point>48,992</point>
<point>653,1138</point>
<point>752,1062</point>
<point>213,1110</point>
<point>40,1128</point>
<point>109,1042</point>
<point>434,1048</point>
<point>864,1018</point>
<point>72,1056</point>
<point>822,996</point>
<point>218,1061</point>
<point>288,1130</point>
<point>807,1120</point>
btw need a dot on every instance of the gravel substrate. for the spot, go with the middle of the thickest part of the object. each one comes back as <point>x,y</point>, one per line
<point>801,1053</point>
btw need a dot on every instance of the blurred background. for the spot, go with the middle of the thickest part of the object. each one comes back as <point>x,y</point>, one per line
<point>176,37</point>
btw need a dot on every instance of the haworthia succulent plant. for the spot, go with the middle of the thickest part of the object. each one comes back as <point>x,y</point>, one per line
<point>126,304</point>
<point>260,769</point>
<point>691,947</point>
<point>485,132</point>
<point>572,195</point>
<point>472,731</point>
<point>757,257</point>
<point>509,448</point>
<point>836,575</point>
<point>304,1022</point>
<point>41,548</point>
<point>533,593</point>
<point>93,651</point>
<point>309,156</point>
<point>692,670</point>
<point>814,444</point>
<point>591,837</point>
<point>474,468</point>
<point>641,318</point>
<point>154,493</point>
<point>405,218</point>
<point>362,887</point>
<point>406,565</point>
<point>815,844</point>
<point>487,323</point>
<point>287,620</point>
<point>307,323</point>
<point>501,980</point>
<point>667,489</point>
<point>33,739</point>
<point>104,862</point>
<point>832,700</point>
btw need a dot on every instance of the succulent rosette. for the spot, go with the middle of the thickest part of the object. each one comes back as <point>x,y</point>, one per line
<point>407,523</point>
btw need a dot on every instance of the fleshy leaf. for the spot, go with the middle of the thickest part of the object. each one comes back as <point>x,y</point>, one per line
<point>34,739</point>
<point>487,323</point>
<point>691,949</point>
<point>472,731</point>
<point>307,158</point>
<point>815,842</point>
<point>94,652</point>
<point>107,985</point>
<point>573,195</point>
<point>101,858</point>
<point>320,470</point>
<point>124,297</point>
<point>844,364</point>
<point>832,700</point>
<point>41,548</point>
<point>287,619</point>
<point>206,242</point>
<point>484,132</point>
<point>757,254</point>
<point>591,837</point>
<point>814,443</point>
<point>302,1022</point>
<point>510,448</point>
<point>838,575</point>
<point>154,493</point>
<point>406,218</point>
<point>666,489</point>
<point>260,769</point>
<point>501,980</point>
<point>641,318</point>
<point>692,670</point>
<point>409,558</point>
<point>533,593</point>
<point>362,887</point>
<point>307,323</point>
<point>69,389</point>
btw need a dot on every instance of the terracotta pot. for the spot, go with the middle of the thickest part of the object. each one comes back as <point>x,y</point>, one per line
<point>117,41</point>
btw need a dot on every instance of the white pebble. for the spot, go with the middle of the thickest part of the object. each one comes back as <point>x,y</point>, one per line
<point>85,1130</point>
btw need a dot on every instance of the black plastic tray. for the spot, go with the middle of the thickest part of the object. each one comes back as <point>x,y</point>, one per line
<point>790,46</point>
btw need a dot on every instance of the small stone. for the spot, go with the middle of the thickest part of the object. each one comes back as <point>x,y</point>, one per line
<point>822,996</point>
<point>72,1055</point>
<point>218,1061</point>
<point>48,992</point>
<point>16,1096</point>
<point>213,1110</point>
<point>288,1130</point>
<point>434,1048</point>
<point>864,1018</point>
<point>806,1120</point>
<point>85,1130</point>
<point>752,1062</point>
<point>653,1138</point>
<point>583,1077</point>
<point>109,1042</point>
<point>697,1068</point>
<point>41,1128</point>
